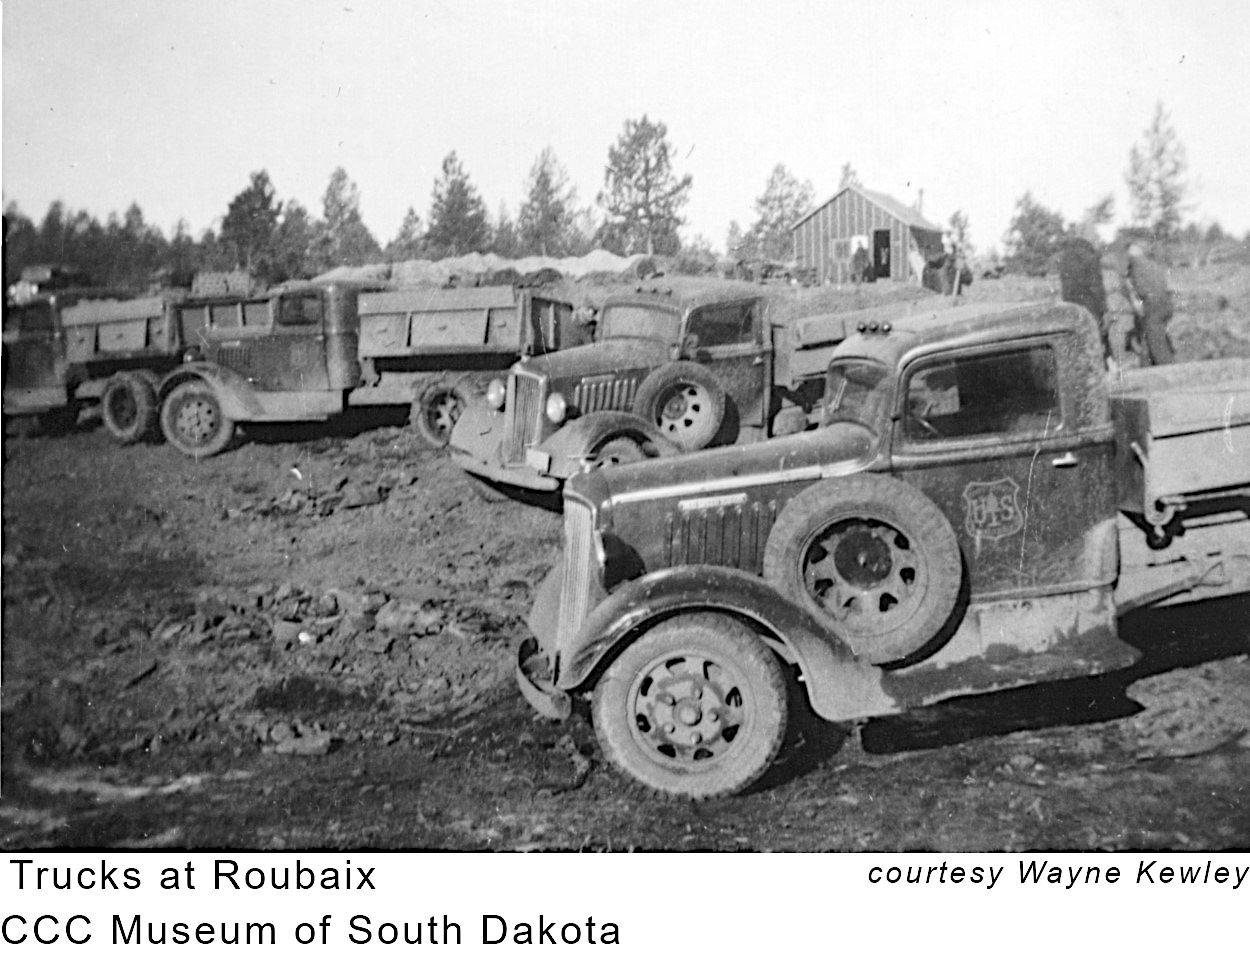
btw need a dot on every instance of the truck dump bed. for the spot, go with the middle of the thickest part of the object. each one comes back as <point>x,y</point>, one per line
<point>103,329</point>
<point>1183,435</point>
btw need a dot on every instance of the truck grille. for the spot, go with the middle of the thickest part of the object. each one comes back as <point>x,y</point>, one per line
<point>525,407</point>
<point>605,392</point>
<point>235,358</point>
<point>578,565</point>
<point>732,535</point>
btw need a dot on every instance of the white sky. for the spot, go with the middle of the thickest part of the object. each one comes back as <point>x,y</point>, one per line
<point>172,104</point>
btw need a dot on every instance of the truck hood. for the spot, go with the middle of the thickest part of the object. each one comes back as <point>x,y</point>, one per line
<point>829,451</point>
<point>606,357</point>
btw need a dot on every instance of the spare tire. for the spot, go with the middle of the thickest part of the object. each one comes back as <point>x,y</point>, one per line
<point>873,557</point>
<point>685,401</point>
<point>129,408</point>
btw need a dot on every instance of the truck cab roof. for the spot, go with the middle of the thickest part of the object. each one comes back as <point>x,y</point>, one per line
<point>684,293</point>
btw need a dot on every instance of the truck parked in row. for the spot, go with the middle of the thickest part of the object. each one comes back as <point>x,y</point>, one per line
<point>673,368</point>
<point>976,509</point>
<point>192,369</point>
<point>66,348</point>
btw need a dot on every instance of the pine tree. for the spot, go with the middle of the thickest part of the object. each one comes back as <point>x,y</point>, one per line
<point>409,243</point>
<point>545,221</point>
<point>642,195</point>
<point>248,227</point>
<point>784,201</point>
<point>457,213</point>
<point>1033,236</point>
<point>1156,178</point>
<point>344,238</point>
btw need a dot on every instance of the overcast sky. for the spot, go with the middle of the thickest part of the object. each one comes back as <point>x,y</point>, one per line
<point>172,104</point>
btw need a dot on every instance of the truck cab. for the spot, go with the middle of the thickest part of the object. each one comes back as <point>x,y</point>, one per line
<point>951,527</point>
<point>286,355</point>
<point>677,366</point>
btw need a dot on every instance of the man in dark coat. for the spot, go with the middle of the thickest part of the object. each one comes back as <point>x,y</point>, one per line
<point>1080,282</point>
<point>1146,287</point>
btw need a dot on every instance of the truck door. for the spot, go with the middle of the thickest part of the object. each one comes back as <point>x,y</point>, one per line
<point>990,435</point>
<point>730,340</point>
<point>277,343</point>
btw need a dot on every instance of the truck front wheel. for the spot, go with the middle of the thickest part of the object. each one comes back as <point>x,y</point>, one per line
<point>128,408</point>
<point>695,708</point>
<point>874,557</point>
<point>193,421</point>
<point>435,413</point>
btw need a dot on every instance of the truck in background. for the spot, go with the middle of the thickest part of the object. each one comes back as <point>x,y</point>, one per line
<point>67,348</point>
<point>975,511</point>
<point>307,351</point>
<point>674,367</point>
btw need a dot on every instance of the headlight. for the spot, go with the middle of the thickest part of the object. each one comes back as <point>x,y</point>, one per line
<point>557,407</point>
<point>496,392</point>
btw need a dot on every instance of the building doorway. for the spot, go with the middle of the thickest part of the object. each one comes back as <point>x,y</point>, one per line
<point>881,252</point>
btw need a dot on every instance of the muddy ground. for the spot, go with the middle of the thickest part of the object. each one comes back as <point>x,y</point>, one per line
<point>306,642</point>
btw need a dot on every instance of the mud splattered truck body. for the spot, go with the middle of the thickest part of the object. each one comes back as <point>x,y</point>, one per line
<point>64,349</point>
<point>977,507</point>
<point>307,351</point>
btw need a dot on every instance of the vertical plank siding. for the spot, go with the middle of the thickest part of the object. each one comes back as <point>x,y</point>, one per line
<point>817,239</point>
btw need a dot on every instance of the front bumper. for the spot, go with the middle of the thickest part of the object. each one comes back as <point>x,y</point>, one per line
<point>533,677</point>
<point>476,444</point>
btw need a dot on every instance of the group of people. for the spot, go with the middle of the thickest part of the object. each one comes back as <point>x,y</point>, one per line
<point>1144,285</point>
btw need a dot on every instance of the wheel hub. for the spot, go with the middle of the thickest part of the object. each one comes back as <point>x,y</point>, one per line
<point>687,709</point>
<point>196,420</point>
<point>684,407</point>
<point>864,573</point>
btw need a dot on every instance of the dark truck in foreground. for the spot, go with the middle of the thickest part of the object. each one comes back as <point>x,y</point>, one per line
<point>675,367</point>
<point>307,351</point>
<point>973,513</point>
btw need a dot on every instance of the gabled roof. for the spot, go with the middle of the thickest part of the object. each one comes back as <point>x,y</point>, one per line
<point>908,216</point>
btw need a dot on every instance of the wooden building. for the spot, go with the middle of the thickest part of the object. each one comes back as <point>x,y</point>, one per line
<point>898,239</point>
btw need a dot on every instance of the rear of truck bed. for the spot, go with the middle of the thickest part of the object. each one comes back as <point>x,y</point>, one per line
<point>1183,437</point>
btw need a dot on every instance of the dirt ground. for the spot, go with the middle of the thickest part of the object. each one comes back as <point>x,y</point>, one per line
<point>305,642</point>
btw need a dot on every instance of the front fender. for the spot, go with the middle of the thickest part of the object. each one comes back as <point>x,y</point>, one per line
<point>233,391</point>
<point>839,686</point>
<point>571,445</point>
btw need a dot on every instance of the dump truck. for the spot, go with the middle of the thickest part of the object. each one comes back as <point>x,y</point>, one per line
<point>308,351</point>
<point>65,349</point>
<point>977,508</point>
<point>674,367</point>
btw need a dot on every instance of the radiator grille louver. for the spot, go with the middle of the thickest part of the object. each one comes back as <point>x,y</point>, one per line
<point>721,536</point>
<point>578,565</point>
<point>524,402</point>
<point>604,393</point>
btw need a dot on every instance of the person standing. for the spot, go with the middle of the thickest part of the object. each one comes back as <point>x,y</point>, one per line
<point>1080,282</point>
<point>1146,288</point>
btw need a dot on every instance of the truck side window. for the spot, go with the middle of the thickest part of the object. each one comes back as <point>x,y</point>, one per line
<point>256,314</point>
<point>299,310</point>
<point>725,324</point>
<point>225,315</point>
<point>1006,393</point>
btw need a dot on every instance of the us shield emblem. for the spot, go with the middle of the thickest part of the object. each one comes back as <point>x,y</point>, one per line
<point>992,510</point>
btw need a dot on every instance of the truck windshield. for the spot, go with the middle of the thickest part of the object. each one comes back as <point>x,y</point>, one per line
<point>856,392</point>
<point>637,321</point>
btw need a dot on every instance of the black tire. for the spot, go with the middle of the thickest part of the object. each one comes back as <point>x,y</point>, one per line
<point>693,675</point>
<point>871,555</point>
<point>615,452</point>
<point>686,401</point>
<point>194,422</point>
<point>128,408</point>
<point>435,412</point>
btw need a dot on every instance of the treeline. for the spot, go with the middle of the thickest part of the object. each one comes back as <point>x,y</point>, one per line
<point>1158,190</point>
<point>639,209</point>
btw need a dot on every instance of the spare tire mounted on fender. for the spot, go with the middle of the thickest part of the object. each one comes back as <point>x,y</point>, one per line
<point>871,555</point>
<point>685,400</point>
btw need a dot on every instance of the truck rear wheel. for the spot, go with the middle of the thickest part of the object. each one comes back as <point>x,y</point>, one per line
<point>193,421</point>
<point>128,408</point>
<point>695,708</point>
<point>436,411</point>
<point>686,401</point>
<point>871,555</point>
<point>617,451</point>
